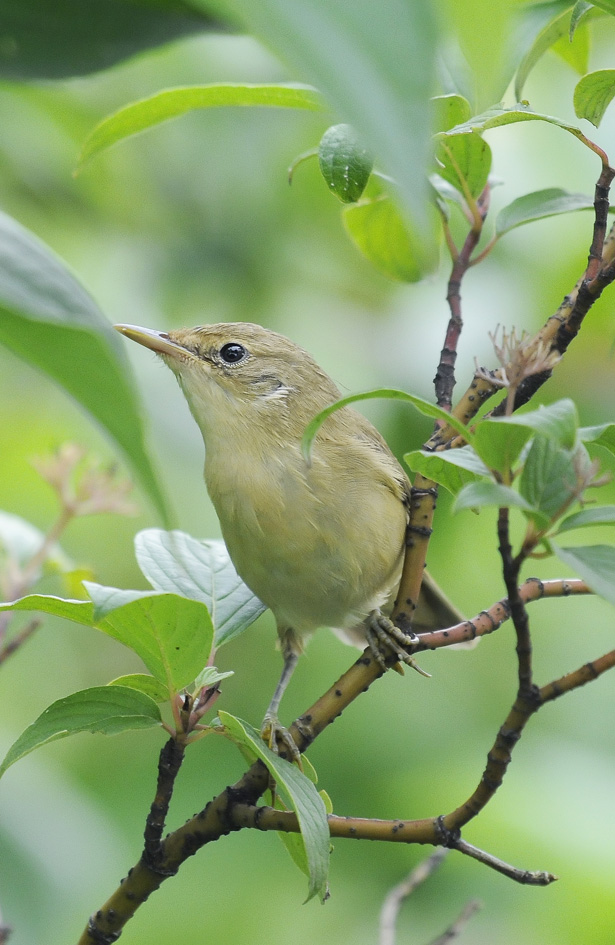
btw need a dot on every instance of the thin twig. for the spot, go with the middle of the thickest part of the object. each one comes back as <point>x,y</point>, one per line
<point>19,639</point>
<point>510,569</point>
<point>398,895</point>
<point>525,877</point>
<point>456,928</point>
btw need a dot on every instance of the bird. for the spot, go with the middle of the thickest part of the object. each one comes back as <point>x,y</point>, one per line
<point>321,542</point>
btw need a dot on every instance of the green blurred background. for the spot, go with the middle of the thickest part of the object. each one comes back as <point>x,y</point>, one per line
<point>195,222</point>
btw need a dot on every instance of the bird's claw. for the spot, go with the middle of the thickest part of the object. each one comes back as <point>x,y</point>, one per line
<point>384,639</point>
<point>279,740</point>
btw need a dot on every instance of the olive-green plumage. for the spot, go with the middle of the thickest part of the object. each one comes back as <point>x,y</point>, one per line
<point>320,544</point>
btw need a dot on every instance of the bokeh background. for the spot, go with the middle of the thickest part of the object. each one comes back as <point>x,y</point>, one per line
<point>195,222</point>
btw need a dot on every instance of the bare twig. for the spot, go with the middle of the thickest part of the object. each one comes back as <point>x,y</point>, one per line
<point>525,877</point>
<point>397,896</point>
<point>444,380</point>
<point>456,928</point>
<point>510,569</point>
<point>19,639</point>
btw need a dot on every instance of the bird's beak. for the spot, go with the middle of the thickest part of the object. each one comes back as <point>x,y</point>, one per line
<point>158,341</point>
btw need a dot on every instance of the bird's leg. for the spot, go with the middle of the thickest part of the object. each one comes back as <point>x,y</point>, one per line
<point>384,639</point>
<point>272,731</point>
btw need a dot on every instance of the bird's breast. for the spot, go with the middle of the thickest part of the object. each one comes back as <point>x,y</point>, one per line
<point>319,545</point>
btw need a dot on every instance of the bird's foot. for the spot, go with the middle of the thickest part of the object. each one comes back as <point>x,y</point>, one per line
<point>384,639</point>
<point>279,740</point>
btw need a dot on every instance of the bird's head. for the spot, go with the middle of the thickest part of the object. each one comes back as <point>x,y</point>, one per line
<point>238,375</point>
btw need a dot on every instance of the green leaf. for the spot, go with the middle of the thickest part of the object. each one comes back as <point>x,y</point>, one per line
<point>79,611</point>
<point>601,435</point>
<point>575,54</point>
<point>607,5</point>
<point>105,709</point>
<point>464,161</point>
<point>557,27</point>
<point>479,494</point>
<point>209,676</point>
<point>171,103</point>
<point>499,444</point>
<point>452,469</point>
<point>172,635</point>
<point>579,10</point>
<point>203,571</point>
<point>375,67</point>
<point>379,231</point>
<point>593,94</point>
<point>383,393</point>
<point>595,564</point>
<point>549,477</point>
<point>499,115</point>
<point>594,515</point>
<point>539,205</point>
<point>449,110</point>
<point>558,421</point>
<point>299,793</point>
<point>49,320</point>
<point>344,162</point>
<point>145,684</point>
<point>77,37</point>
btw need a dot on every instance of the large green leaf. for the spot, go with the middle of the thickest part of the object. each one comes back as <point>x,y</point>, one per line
<point>345,163</point>
<point>171,103</point>
<point>105,709</point>
<point>558,421</point>
<point>607,5</point>
<point>375,65</point>
<point>549,477</point>
<point>384,393</point>
<point>500,115</point>
<point>203,571</point>
<point>48,318</point>
<point>593,94</point>
<point>557,25</point>
<point>172,635</point>
<point>52,40</point>
<point>539,205</point>
<point>595,564</point>
<point>479,494</point>
<point>464,161</point>
<point>300,793</point>
<point>587,517</point>
<point>499,444</point>
<point>379,231</point>
<point>602,435</point>
<point>449,110</point>
<point>452,469</point>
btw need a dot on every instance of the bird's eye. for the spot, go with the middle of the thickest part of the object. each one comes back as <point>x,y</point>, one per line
<point>233,352</point>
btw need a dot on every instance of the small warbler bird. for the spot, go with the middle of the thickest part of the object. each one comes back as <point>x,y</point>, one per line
<point>321,544</point>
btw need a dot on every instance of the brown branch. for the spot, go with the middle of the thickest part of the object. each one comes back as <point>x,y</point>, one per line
<point>579,677</point>
<point>510,570</point>
<point>19,639</point>
<point>444,380</point>
<point>235,808</point>
<point>525,877</point>
<point>557,332</point>
<point>169,763</point>
<point>430,831</point>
